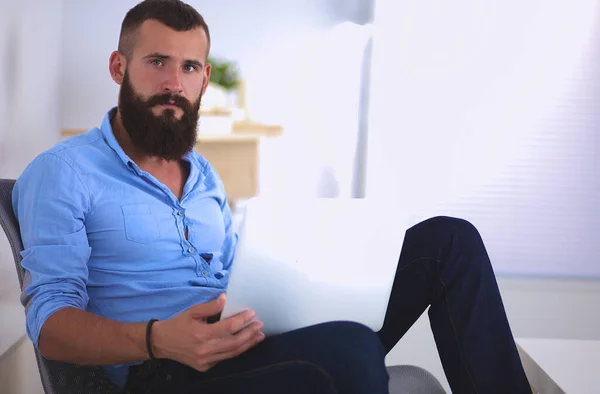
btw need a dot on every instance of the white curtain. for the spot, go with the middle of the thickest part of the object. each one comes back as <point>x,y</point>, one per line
<point>30,41</point>
<point>321,151</point>
<point>6,39</point>
<point>490,110</point>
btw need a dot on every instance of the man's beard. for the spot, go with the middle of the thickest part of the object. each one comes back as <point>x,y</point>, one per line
<point>162,136</point>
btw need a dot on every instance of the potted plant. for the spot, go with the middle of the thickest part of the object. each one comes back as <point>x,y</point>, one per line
<point>219,103</point>
<point>224,83</point>
<point>224,73</point>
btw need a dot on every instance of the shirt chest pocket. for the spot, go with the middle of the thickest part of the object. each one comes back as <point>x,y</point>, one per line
<point>140,225</point>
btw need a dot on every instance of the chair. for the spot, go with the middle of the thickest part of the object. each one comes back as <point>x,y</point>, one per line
<point>64,378</point>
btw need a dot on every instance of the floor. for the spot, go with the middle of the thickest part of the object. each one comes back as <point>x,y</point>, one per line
<point>18,370</point>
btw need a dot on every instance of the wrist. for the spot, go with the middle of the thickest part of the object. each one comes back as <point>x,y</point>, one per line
<point>157,339</point>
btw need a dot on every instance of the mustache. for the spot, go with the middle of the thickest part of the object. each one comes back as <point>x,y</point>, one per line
<point>171,99</point>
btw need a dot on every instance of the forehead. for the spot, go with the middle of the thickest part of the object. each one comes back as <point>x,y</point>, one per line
<point>155,37</point>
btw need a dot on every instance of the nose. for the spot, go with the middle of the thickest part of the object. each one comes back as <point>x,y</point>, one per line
<point>172,83</point>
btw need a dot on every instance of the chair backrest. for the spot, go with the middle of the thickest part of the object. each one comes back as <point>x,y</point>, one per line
<point>10,225</point>
<point>57,377</point>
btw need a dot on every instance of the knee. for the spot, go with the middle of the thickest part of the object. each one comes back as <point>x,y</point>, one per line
<point>454,225</point>
<point>462,232</point>
<point>357,352</point>
<point>459,237</point>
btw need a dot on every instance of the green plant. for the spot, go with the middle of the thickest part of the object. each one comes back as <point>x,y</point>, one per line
<point>224,73</point>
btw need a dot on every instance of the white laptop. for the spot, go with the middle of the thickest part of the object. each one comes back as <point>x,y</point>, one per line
<point>301,262</point>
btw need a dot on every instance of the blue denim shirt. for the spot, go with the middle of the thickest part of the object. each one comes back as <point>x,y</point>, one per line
<point>104,236</point>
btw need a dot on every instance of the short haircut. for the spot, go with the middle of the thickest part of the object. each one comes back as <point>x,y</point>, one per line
<point>175,14</point>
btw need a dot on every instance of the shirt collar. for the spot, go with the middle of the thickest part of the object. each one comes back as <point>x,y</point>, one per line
<point>109,136</point>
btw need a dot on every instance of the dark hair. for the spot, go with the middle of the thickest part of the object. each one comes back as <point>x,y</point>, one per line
<point>176,14</point>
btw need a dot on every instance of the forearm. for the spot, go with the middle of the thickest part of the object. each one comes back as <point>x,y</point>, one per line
<point>79,337</point>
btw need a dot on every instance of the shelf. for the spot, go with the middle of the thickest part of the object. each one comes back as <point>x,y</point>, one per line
<point>242,131</point>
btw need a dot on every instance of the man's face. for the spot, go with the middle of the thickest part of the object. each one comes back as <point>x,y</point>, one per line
<point>161,90</point>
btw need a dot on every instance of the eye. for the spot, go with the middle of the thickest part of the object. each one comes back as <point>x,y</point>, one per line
<point>190,67</point>
<point>156,62</point>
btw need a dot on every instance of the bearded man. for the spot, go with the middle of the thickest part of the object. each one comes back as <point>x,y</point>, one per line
<point>128,245</point>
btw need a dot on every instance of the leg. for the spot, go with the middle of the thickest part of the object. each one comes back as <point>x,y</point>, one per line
<point>444,265</point>
<point>292,377</point>
<point>337,357</point>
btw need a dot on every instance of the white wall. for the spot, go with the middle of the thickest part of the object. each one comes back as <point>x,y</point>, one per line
<point>490,111</point>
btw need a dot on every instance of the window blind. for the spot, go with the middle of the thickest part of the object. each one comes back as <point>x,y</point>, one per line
<point>490,111</point>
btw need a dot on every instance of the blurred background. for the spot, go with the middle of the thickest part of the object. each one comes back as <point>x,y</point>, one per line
<point>485,110</point>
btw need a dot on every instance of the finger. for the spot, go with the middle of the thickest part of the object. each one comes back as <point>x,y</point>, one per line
<point>204,367</point>
<point>208,309</point>
<point>223,348</point>
<point>232,342</point>
<point>255,340</point>
<point>232,324</point>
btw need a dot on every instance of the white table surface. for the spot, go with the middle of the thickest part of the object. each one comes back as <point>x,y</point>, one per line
<point>561,365</point>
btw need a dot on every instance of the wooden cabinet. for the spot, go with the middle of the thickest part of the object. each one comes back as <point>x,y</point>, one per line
<point>235,158</point>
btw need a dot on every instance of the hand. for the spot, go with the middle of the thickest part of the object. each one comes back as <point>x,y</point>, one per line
<point>189,339</point>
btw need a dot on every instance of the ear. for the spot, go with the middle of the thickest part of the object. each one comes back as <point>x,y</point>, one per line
<point>205,82</point>
<point>117,65</point>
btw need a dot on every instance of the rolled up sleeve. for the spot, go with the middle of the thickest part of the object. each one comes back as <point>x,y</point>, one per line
<point>50,202</point>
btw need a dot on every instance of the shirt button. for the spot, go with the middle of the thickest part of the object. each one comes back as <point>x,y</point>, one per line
<point>191,249</point>
<point>204,273</point>
<point>180,213</point>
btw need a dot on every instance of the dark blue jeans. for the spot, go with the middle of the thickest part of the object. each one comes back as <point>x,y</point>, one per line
<point>443,265</point>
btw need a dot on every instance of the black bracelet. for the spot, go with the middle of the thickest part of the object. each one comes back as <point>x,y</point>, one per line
<point>148,342</point>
